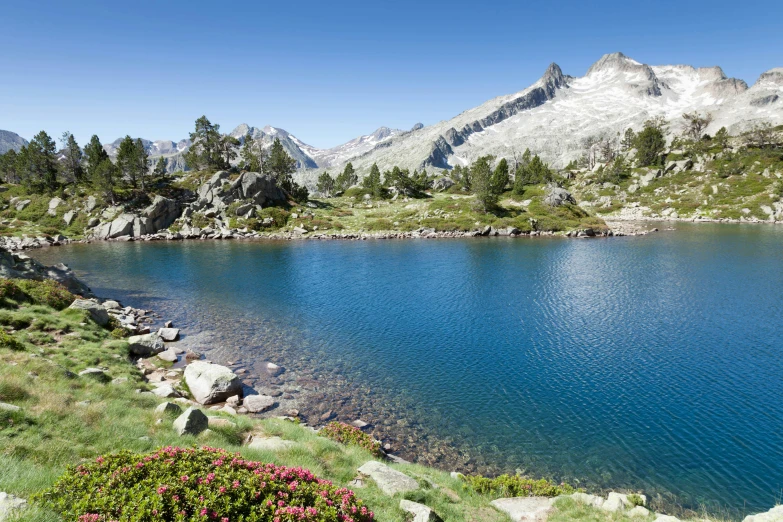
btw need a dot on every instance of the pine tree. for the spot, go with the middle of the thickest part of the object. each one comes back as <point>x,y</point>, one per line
<point>205,149</point>
<point>628,140</point>
<point>500,177</point>
<point>486,193</point>
<point>650,144</point>
<point>8,166</point>
<point>228,145</point>
<point>94,155</point>
<point>103,177</point>
<point>373,181</point>
<point>400,180</point>
<point>127,158</point>
<point>72,164</point>
<point>280,166</point>
<point>347,178</point>
<point>38,164</point>
<point>161,169</point>
<point>251,161</point>
<point>722,138</point>
<point>326,184</point>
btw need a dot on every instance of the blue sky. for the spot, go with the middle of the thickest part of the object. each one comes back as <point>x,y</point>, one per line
<point>330,71</point>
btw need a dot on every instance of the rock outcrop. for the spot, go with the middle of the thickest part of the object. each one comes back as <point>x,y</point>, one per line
<point>389,480</point>
<point>211,383</point>
<point>14,265</point>
<point>98,312</point>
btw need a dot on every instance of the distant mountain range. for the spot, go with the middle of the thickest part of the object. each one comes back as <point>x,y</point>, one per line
<point>557,117</point>
<point>10,140</point>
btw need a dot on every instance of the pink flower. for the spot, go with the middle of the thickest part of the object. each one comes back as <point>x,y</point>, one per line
<point>184,478</point>
<point>235,484</point>
<point>162,490</point>
<point>203,512</point>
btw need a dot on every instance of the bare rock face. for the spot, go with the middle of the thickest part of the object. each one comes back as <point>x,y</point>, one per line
<point>773,515</point>
<point>160,214</point>
<point>145,345</point>
<point>211,383</point>
<point>21,266</point>
<point>557,196</point>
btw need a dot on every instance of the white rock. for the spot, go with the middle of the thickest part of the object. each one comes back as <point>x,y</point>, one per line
<point>258,403</point>
<point>420,512</point>
<point>389,480</point>
<point>590,500</point>
<point>9,505</point>
<point>165,392</point>
<point>210,383</point>
<point>191,422</point>
<point>270,444</point>
<point>528,509</point>
<point>773,515</point>
<point>639,511</point>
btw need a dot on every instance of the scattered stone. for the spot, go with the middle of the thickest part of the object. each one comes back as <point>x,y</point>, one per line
<point>191,422</point>
<point>210,383</point>
<point>168,408</point>
<point>191,355</point>
<point>639,511</point>
<point>358,423</point>
<point>9,407</point>
<point>270,444</point>
<point>9,505</point>
<point>228,409</point>
<point>453,474</point>
<point>168,324</point>
<point>420,512</point>
<point>169,334</point>
<point>618,502</point>
<point>168,356</point>
<point>327,416</point>
<point>83,404</point>
<point>258,403</point>
<point>145,345</point>
<point>528,509</point>
<point>165,392</point>
<point>388,480</point>
<point>120,380</point>
<point>97,312</point>
<point>233,401</point>
<point>273,369</point>
<point>95,373</point>
<point>356,483</point>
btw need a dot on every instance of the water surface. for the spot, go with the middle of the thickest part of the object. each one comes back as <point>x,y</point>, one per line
<point>651,363</point>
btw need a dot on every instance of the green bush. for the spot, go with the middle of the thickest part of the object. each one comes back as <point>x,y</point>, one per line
<point>10,291</point>
<point>197,484</point>
<point>635,500</point>
<point>516,486</point>
<point>7,341</point>
<point>47,292</point>
<point>346,434</point>
<point>279,216</point>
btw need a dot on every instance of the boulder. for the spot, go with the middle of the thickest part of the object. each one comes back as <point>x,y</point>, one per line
<point>93,222</point>
<point>68,217</point>
<point>161,213</point>
<point>420,512</point>
<point>258,403</point>
<point>95,373</point>
<point>616,502</point>
<point>442,184</point>
<point>169,334</point>
<point>21,205</point>
<point>91,203</point>
<point>111,305</point>
<point>773,515</point>
<point>590,500</point>
<point>121,226</point>
<point>4,406</point>
<point>273,369</point>
<point>220,422</point>
<point>233,401</point>
<point>270,444</point>
<point>145,345</point>
<point>168,408</point>
<point>557,196</point>
<point>10,506</point>
<point>389,480</point>
<point>97,312</point>
<point>668,518</point>
<point>639,511</point>
<point>191,422</point>
<point>210,383</point>
<point>528,509</point>
<point>53,204</point>
<point>168,355</point>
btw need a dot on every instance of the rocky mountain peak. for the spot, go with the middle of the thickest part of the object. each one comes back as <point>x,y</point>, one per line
<point>417,127</point>
<point>11,141</point>
<point>381,133</point>
<point>614,62</point>
<point>773,77</point>
<point>553,79</point>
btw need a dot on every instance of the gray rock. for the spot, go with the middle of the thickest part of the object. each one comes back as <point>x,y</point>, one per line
<point>388,480</point>
<point>168,408</point>
<point>420,512</point>
<point>528,509</point>
<point>97,312</point>
<point>91,204</point>
<point>273,369</point>
<point>9,407</point>
<point>120,226</point>
<point>210,383</point>
<point>258,403</point>
<point>668,518</point>
<point>773,515</point>
<point>93,222</point>
<point>161,213</point>
<point>111,305</point>
<point>270,444</point>
<point>557,196</point>
<point>120,380</point>
<point>145,345</point>
<point>165,392</point>
<point>442,184</point>
<point>68,217</point>
<point>233,401</point>
<point>20,206</point>
<point>169,334</point>
<point>95,373</point>
<point>10,506</point>
<point>168,355</point>
<point>616,502</point>
<point>639,511</point>
<point>220,422</point>
<point>590,500</point>
<point>191,422</point>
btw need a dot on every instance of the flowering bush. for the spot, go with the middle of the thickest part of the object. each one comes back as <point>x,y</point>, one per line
<point>197,485</point>
<point>517,486</point>
<point>46,292</point>
<point>347,434</point>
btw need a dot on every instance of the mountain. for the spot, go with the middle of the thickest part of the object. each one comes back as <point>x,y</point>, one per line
<point>10,140</point>
<point>559,116</point>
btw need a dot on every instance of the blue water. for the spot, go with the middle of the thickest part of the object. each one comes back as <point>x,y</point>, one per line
<point>650,363</point>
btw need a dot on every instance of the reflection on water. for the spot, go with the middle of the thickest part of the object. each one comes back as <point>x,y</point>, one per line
<point>650,363</point>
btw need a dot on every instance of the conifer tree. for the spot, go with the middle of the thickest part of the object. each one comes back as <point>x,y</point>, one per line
<point>94,155</point>
<point>251,160</point>
<point>205,149</point>
<point>486,192</point>
<point>37,163</point>
<point>326,184</point>
<point>72,163</point>
<point>373,181</point>
<point>347,178</point>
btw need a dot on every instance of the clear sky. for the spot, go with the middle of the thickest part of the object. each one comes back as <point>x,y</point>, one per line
<point>330,71</point>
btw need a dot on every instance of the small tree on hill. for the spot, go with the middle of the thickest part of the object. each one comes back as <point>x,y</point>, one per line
<point>228,151</point>
<point>347,178</point>
<point>722,138</point>
<point>37,163</point>
<point>372,182</point>
<point>762,134</point>
<point>104,177</point>
<point>500,177</point>
<point>696,124</point>
<point>94,155</point>
<point>73,169</point>
<point>251,160</point>
<point>281,167</point>
<point>161,169</point>
<point>325,184</point>
<point>629,137</point>
<point>650,144</point>
<point>8,167</point>
<point>487,194</point>
<point>205,148</point>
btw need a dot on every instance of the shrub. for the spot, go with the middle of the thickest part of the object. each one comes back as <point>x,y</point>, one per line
<point>197,484</point>
<point>10,392</point>
<point>8,341</point>
<point>635,500</point>
<point>517,486</point>
<point>47,292</point>
<point>279,216</point>
<point>10,291</point>
<point>346,434</point>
